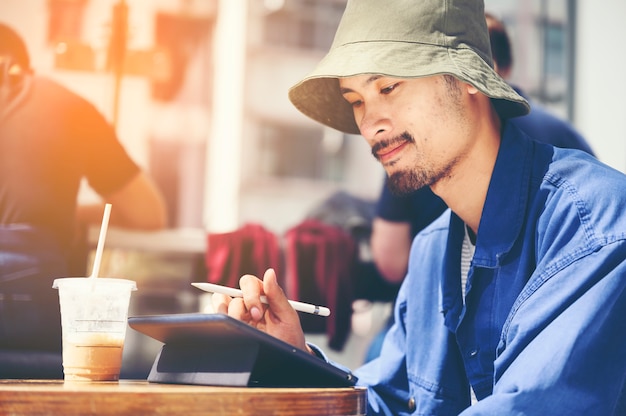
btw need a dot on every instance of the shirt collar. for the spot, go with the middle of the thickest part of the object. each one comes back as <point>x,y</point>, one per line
<point>507,198</point>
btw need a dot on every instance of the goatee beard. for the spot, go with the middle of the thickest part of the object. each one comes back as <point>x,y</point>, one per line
<point>403,182</point>
<point>406,182</point>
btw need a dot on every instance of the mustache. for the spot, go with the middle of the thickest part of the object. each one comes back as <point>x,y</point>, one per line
<point>395,141</point>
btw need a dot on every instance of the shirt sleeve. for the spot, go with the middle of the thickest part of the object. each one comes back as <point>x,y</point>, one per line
<point>108,167</point>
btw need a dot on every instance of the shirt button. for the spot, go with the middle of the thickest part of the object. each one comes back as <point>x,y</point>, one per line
<point>473,353</point>
<point>411,404</point>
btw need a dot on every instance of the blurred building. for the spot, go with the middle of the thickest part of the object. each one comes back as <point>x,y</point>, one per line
<point>198,92</point>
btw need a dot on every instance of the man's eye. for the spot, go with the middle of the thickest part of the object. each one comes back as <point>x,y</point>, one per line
<point>388,89</point>
<point>356,104</point>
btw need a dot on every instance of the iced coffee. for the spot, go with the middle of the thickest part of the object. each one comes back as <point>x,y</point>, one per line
<point>94,315</point>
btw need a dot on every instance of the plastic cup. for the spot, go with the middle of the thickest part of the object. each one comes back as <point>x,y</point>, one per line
<point>94,317</point>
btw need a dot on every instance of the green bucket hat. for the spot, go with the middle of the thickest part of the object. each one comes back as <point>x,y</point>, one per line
<point>404,39</point>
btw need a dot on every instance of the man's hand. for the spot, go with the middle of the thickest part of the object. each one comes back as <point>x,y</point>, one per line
<point>277,318</point>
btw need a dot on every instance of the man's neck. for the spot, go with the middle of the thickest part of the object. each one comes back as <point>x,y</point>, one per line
<point>465,190</point>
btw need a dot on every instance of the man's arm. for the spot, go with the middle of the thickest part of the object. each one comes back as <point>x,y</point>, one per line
<point>397,220</point>
<point>137,205</point>
<point>390,244</point>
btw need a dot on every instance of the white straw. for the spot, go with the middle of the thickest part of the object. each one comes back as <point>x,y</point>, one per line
<point>103,233</point>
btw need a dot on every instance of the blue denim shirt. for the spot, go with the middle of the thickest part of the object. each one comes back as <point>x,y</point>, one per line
<point>543,327</point>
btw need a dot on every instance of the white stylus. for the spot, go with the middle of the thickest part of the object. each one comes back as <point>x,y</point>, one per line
<point>236,293</point>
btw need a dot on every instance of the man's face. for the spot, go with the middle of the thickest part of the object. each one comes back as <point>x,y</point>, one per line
<point>417,128</point>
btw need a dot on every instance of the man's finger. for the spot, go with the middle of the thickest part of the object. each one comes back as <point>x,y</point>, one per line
<point>237,309</point>
<point>220,303</point>
<point>276,296</point>
<point>252,288</point>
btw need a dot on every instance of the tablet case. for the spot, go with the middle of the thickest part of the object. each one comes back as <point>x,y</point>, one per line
<point>215,349</point>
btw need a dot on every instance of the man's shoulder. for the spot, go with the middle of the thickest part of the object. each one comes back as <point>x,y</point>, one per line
<point>68,103</point>
<point>578,166</point>
<point>50,85</point>
<point>50,88</point>
<point>595,190</point>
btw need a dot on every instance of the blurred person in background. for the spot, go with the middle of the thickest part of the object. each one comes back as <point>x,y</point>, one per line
<point>50,139</point>
<point>400,217</point>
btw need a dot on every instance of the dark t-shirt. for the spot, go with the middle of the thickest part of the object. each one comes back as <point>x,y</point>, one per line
<point>49,141</point>
<point>422,207</point>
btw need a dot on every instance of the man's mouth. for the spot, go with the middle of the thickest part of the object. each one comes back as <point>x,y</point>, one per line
<point>387,150</point>
<point>388,153</point>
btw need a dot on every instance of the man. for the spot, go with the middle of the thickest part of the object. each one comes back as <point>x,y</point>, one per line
<point>516,295</point>
<point>50,139</point>
<point>400,217</point>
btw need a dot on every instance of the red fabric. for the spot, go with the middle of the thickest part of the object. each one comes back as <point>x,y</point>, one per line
<point>320,261</point>
<point>251,249</point>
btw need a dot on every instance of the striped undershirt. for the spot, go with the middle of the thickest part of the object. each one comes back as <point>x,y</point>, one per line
<point>467,253</point>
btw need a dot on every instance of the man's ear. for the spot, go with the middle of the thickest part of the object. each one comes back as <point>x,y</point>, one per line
<point>471,90</point>
<point>11,74</point>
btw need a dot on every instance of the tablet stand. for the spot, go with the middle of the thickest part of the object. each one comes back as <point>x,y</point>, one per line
<point>205,363</point>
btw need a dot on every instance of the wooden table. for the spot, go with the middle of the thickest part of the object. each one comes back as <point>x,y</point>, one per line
<point>128,397</point>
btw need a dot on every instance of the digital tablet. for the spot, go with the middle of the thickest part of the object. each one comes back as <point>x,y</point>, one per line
<point>215,349</point>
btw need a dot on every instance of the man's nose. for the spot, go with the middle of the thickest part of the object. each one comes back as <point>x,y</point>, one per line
<point>375,121</point>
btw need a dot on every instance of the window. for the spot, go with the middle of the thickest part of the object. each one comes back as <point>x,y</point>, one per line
<point>290,152</point>
<point>541,34</point>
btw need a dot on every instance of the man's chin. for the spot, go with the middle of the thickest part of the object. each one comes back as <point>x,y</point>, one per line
<point>404,183</point>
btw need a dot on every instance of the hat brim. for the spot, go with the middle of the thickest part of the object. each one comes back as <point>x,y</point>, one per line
<point>318,95</point>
